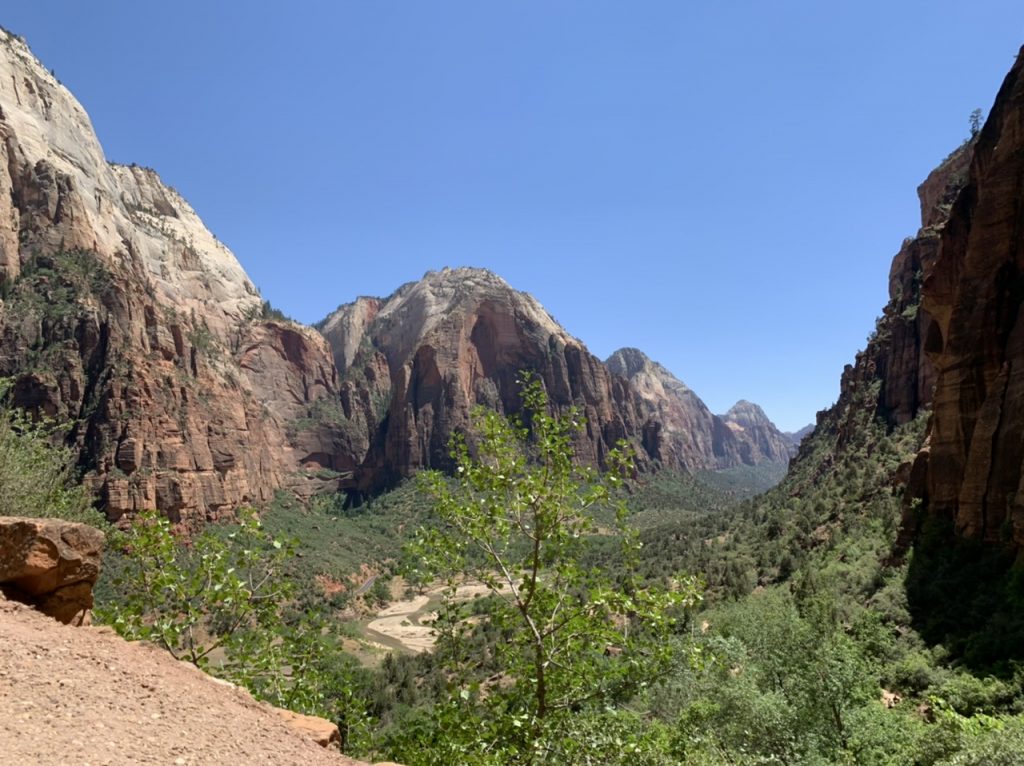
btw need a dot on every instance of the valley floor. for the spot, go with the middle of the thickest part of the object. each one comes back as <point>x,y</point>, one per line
<point>406,625</point>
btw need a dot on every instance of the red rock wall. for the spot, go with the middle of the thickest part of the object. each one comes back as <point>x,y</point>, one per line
<point>972,470</point>
<point>166,415</point>
<point>407,398</point>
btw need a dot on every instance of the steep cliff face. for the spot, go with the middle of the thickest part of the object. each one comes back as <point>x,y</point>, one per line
<point>64,196</point>
<point>907,372</point>
<point>415,363</point>
<point>951,339</point>
<point>893,377</point>
<point>122,314</point>
<point>683,432</point>
<point>972,471</point>
<point>761,441</point>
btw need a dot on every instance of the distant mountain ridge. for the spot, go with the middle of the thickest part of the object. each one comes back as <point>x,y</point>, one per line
<point>123,315</point>
<point>795,437</point>
<point>460,337</point>
<point>751,426</point>
<point>688,434</point>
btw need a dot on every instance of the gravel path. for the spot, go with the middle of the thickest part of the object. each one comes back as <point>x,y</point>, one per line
<point>84,696</point>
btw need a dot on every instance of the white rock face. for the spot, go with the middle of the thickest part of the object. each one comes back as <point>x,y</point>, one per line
<point>689,429</point>
<point>414,311</point>
<point>347,327</point>
<point>125,214</point>
<point>441,292</point>
<point>177,420</point>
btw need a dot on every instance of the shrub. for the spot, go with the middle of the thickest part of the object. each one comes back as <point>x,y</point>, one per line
<point>519,519</point>
<point>37,476</point>
<point>222,604</point>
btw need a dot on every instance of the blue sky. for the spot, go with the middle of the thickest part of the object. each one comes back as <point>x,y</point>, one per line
<point>721,184</point>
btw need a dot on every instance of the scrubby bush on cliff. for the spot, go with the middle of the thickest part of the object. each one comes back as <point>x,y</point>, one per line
<point>223,603</point>
<point>37,476</point>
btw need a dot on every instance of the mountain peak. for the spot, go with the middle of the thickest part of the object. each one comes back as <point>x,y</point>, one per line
<point>748,421</point>
<point>471,274</point>
<point>627,362</point>
<point>746,410</point>
<point>440,299</point>
<point>460,282</point>
<point>632,363</point>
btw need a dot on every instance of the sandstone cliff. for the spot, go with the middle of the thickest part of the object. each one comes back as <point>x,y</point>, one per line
<point>414,364</point>
<point>122,314</point>
<point>949,340</point>
<point>972,294</point>
<point>893,376</point>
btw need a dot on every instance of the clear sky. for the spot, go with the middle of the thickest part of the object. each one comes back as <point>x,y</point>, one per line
<point>721,184</point>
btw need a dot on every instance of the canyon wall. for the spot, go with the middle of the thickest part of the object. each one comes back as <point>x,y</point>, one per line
<point>125,317</point>
<point>971,470</point>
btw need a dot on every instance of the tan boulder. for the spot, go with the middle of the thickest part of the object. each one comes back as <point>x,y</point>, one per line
<point>51,564</point>
<point>320,730</point>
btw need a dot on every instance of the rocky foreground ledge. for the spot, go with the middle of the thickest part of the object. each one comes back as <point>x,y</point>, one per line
<point>83,695</point>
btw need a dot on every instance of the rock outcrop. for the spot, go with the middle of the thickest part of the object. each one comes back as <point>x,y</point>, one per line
<point>320,730</point>
<point>951,339</point>
<point>681,431</point>
<point>906,371</point>
<point>971,472</point>
<point>123,314</point>
<point>51,565</point>
<point>894,375</point>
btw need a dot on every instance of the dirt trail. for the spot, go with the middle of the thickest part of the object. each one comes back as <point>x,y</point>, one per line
<point>85,696</point>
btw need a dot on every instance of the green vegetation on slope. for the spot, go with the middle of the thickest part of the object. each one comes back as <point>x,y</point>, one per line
<point>518,519</point>
<point>745,481</point>
<point>338,541</point>
<point>969,598</point>
<point>37,476</point>
<point>816,658</point>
